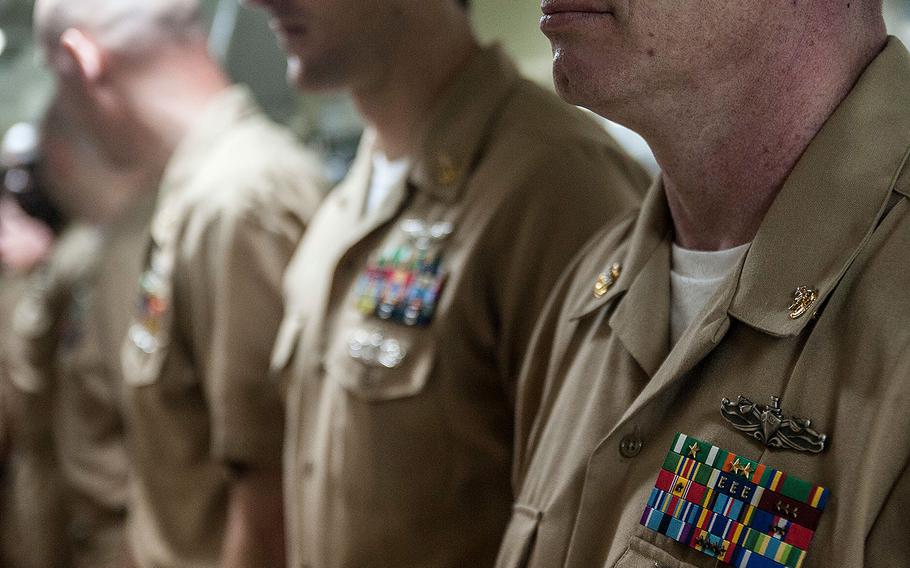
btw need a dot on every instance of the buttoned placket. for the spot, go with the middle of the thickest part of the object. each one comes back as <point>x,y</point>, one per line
<point>350,205</point>
<point>625,441</point>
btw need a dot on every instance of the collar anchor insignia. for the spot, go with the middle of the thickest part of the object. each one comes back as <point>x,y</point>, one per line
<point>769,425</point>
<point>803,299</point>
<point>606,280</point>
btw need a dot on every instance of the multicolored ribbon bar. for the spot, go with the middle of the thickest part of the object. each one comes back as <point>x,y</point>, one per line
<point>702,541</point>
<point>732,508</point>
<point>759,474</point>
<point>724,528</point>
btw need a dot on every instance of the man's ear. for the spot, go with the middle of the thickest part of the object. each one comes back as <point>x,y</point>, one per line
<point>84,53</point>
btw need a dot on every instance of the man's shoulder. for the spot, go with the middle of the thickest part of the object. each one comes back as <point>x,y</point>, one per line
<point>260,153</point>
<point>257,169</point>
<point>74,254</point>
<point>538,133</point>
<point>542,118</point>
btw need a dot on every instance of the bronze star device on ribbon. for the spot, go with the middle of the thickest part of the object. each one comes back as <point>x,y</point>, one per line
<point>732,508</point>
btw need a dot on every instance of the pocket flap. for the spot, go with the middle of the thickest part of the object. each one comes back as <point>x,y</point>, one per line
<point>382,364</point>
<point>643,554</point>
<point>142,357</point>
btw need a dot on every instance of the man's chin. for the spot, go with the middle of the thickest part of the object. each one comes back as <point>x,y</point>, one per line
<point>570,82</point>
<point>313,78</point>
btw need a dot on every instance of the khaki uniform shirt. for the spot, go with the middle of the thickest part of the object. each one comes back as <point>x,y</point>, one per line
<point>614,395</point>
<point>232,207</point>
<point>11,288</point>
<point>68,385</point>
<point>406,325</point>
<point>47,328</point>
<point>89,422</point>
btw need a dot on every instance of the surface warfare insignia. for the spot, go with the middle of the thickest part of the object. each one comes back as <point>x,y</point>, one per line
<point>152,305</point>
<point>767,424</point>
<point>404,282</point>
<point>732,508</point>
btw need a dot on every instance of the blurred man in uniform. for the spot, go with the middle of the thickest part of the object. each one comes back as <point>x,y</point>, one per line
<point>84,380</point>
<point>33,240</point>
<point>204,422</point>
<point>725,374</point>
<point>69,470</point>
<point>414,293</point>
<point>41,331</point>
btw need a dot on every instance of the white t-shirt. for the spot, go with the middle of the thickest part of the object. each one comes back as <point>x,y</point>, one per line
<point>694,277</point>
<point>387,174</point>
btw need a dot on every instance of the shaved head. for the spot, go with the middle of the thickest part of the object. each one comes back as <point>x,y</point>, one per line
<point>120,26</point>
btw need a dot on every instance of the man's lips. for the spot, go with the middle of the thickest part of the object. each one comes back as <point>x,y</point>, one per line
<point>571,15</point>
<point>555,7</point>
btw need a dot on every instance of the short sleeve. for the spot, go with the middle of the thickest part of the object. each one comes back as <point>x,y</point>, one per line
<point>231,273</point>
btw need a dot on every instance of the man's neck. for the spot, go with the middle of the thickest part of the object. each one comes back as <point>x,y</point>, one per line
<point>169,97</point>
<point>729,149</point>
<point>401,103</point>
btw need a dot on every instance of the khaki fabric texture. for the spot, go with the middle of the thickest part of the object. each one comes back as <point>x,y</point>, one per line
<point>43,330</point>
<point>12,286</point>
<point>70,462</point>
<point>408,464</point>
<point>232,206</point>
<point>89,423</point>
<point>601,371</point>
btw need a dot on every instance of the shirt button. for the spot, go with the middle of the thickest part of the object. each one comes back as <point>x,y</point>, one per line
<point>630,446</point>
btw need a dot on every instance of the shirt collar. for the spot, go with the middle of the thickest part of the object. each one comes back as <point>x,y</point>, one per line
<point>463,117</point>
<point>221,115</point>
<point>846,174</point>
<point>652,231</point>
<point>642,318</point>
<point>832,201</point>
<point>228,107</point>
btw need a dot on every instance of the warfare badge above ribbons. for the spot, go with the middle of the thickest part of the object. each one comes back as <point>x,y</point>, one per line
<point>769,425</point>
<point>732,508</point>
<point>403,283</point>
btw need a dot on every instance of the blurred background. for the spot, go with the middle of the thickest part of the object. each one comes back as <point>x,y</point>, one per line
<point>241,38</point>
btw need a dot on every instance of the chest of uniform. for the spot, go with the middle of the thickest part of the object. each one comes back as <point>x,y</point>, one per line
<point>75,321</point>
<point>402,279</point>
<point>388,291</point>
<point>782,448</point>
<point>150,332</point>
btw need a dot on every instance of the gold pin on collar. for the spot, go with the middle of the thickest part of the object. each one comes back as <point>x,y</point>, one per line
<point>803,299</point>
<point>606,280</point>
<point>447,172</point>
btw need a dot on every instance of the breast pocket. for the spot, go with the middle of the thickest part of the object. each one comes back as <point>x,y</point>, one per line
<point>149,335</point>
<point>642,554</point>
<point>379,363</point>
<point>519,538</point>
